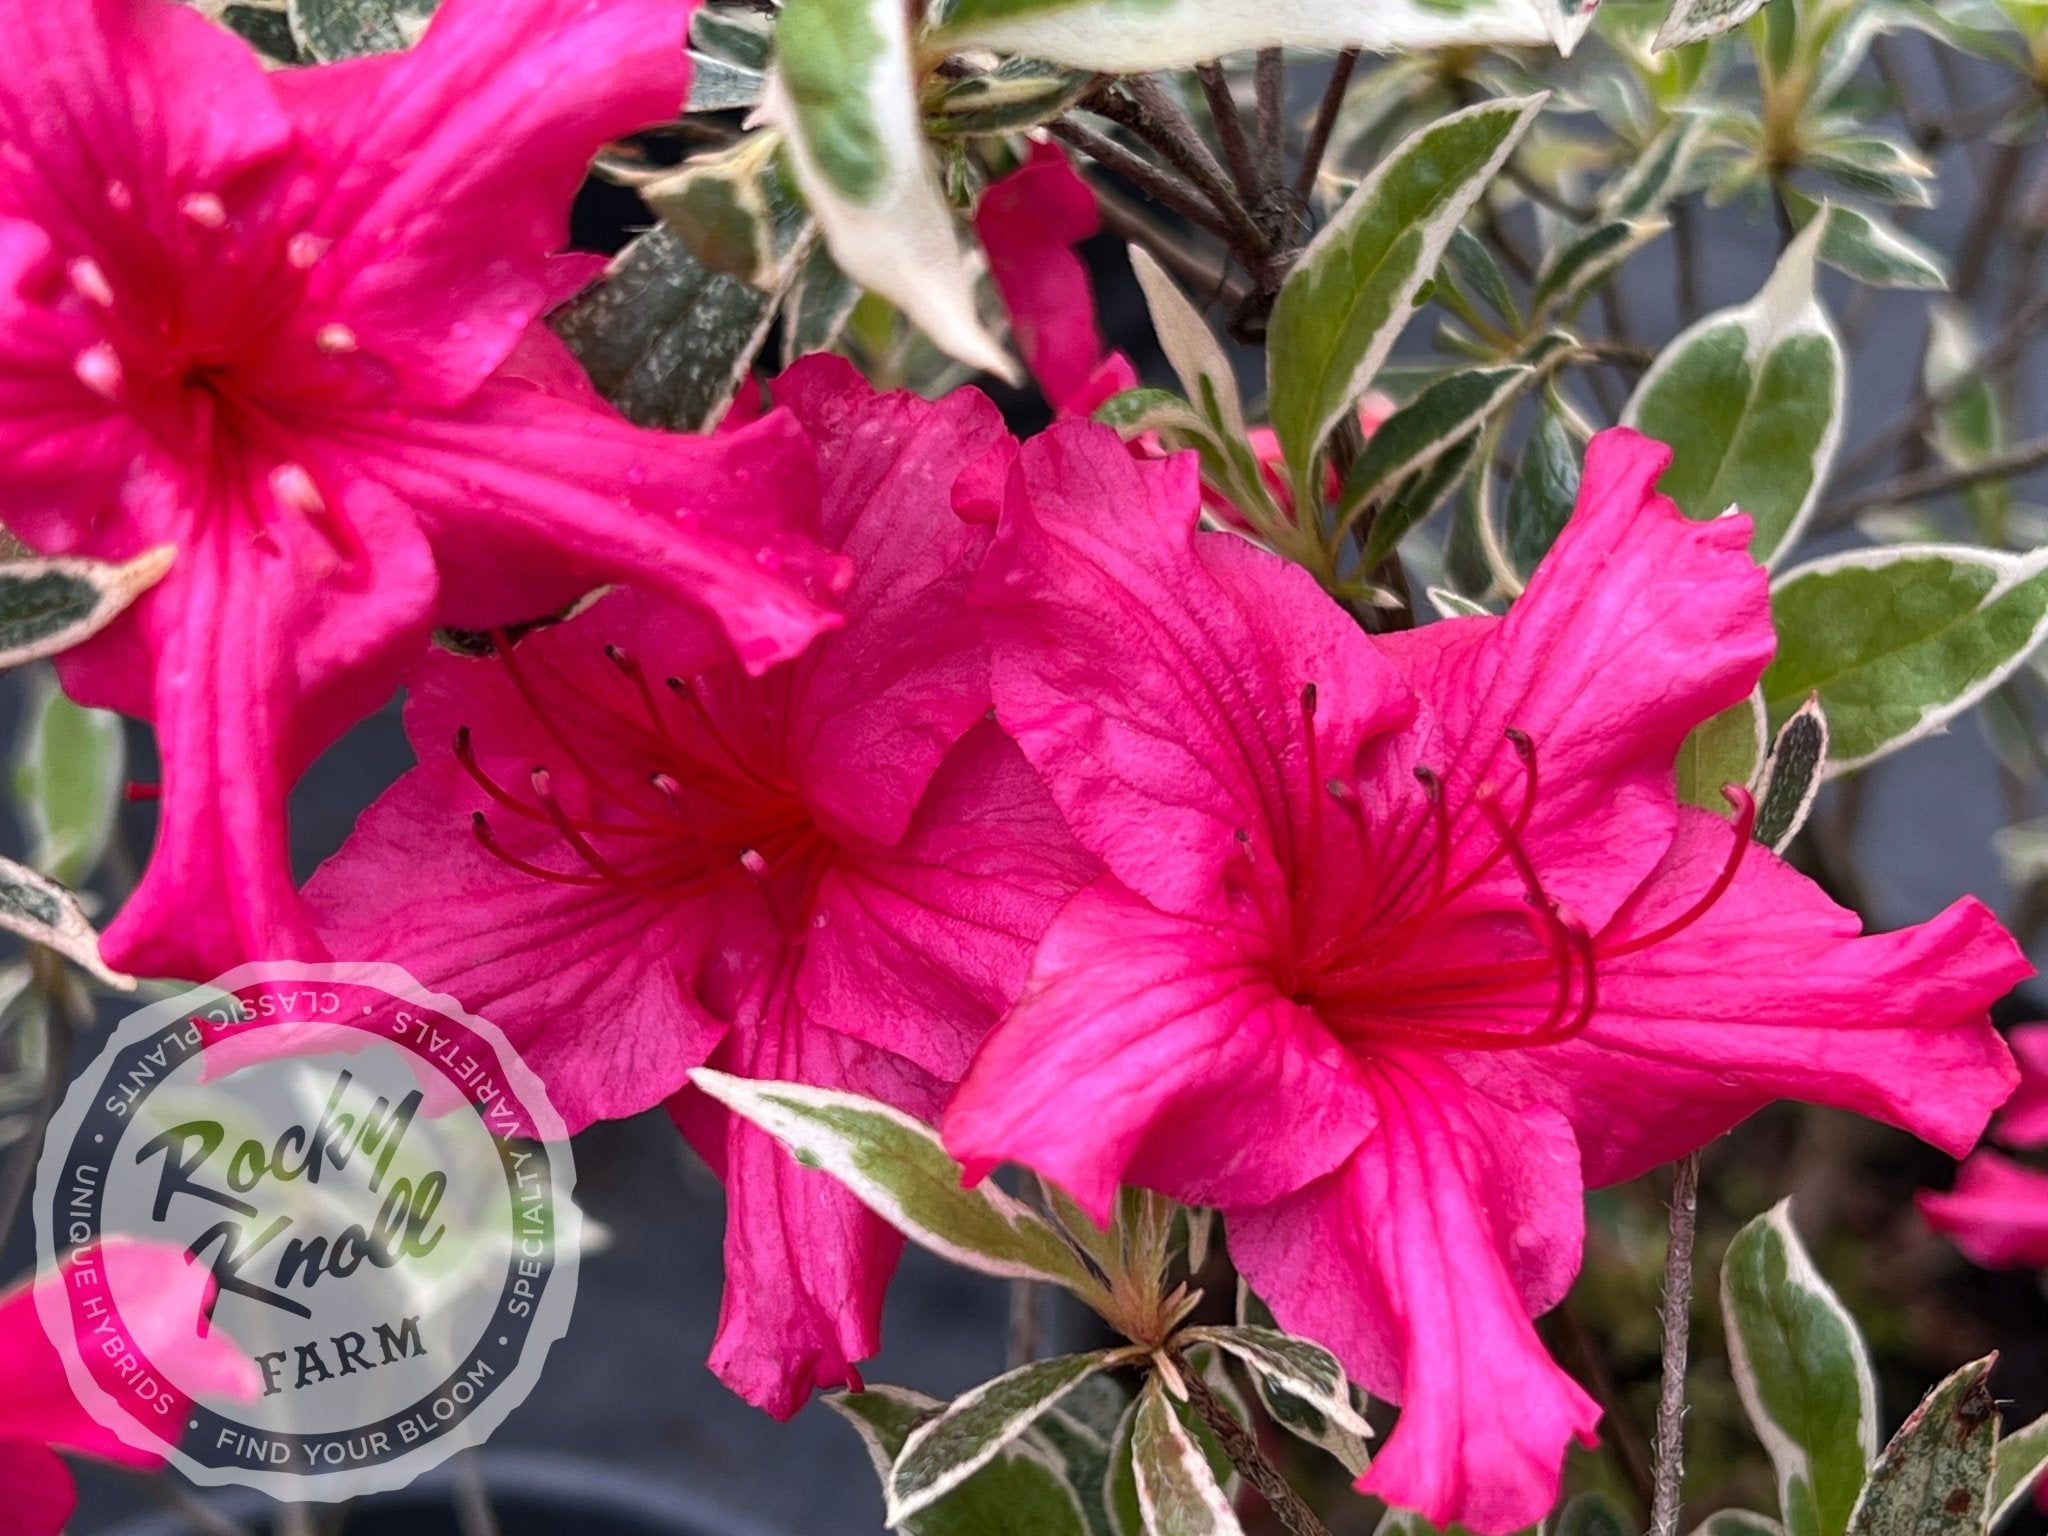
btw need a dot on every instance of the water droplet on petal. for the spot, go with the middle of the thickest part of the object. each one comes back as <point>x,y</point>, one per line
<point>818,921</point>
<point>295,490</point>
<point>204,209</point>
<point>839,577</point>
<point>303,250</point>
<point>99,369</point>
<point>767,559</point>
<point>119,198</point>
<point>89,280</point>
<point>335,340</point>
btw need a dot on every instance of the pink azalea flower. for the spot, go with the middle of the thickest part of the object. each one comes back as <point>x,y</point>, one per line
<point>1997,1213</point>
<point>1403,942</point>
<point>285,322</point>
<point>2024,1120</point>
<point>39,1413</point>
<point>832,873</point>
<point>1029,223</point>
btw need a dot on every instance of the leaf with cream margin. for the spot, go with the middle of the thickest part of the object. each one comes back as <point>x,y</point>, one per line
<point>1791,777</point>
<point>1751,402</point>
<point>1934,1479</point>
<point>1136,36</point>
<point>1693,21</point>
<point>843,91</point>
<point>43,911</point>
<point>1727,748</point>
<point>1803,1374</point>
<point>1178,1494</point>
<point>1900,640</point>
<point>2022,1458</point>
<point>897,1168</point>
<point>1354,289</point>
<point>47,606</point>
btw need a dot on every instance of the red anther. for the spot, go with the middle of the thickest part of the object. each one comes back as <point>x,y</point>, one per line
<point>139,794</point>
<point>1745,826</point>
<point>1308,700</point>
<point>1440,814</point>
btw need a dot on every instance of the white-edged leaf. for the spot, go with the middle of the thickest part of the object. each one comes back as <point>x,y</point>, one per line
<point>1728,748</point>
<point>1659,173</point>
<point>1934,1479</point>
<point>1870,249</point>
<point>1751,402</point>
<point>1026,1490</point>
<point>962,1438</point>
<point>1177,1493</point>
<point>2022,1458</point>
<point>343,29</point>
<point>1354,288</point>
<point>843,91</point>
<point>1291,1375</point>
<point>1577,267</point>
<point>47,606</point>
<point>1136,36</point>
<point>42,910</point>
<point>1898,641</point>
<point>1792,776</point>
<point>1444,414</point>
<point>1191,348</point>
<point>719,86</point>
<point>68,769</point>
<point>1692,21</point>
<point>896,1167</point>
<point>1803,1374</point>
<point>1450,605</point>
<point>1738,1522</point>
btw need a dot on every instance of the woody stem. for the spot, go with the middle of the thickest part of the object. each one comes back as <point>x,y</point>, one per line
<point>1677,1311</point>
<point>1242,1448</point>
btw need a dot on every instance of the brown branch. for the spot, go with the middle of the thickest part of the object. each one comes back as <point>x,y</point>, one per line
<point>1677,1319</point>
<point>1251,1463</point>
<point>1151,114</point>
<point>1269,82</point>
<point>1324,125</point>
<point>1237,149</point>
<point>1209,280</point>
<point>1938,481</point>
<point>1154,181</point>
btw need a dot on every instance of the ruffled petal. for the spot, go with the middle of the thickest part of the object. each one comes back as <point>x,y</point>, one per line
<point>1419,1263</point>
<point>907,673</point>
<point>1145,1050</point>
<point>919,947</point>
<point>1773,993</point>
<point>40,1494</point>
<point>2024,1120</point>
<point>530,501</point>
<point>1997,1213</point>
<point>442,175</point>
<point>1638,625</point>
<point>1155,675</point>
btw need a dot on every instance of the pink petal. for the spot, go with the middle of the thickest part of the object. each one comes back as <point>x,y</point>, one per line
<point>1638,625</point>
<point>1148,1049</point>
<point>444,173</point>
<point>1772,994</point>
<point>530,501</point>
<point>882,699</point>
<point>1419,1263</point>
<point>1997,1213</point>
<point>2024,1120</point>
<point>1155,676</point>
<point>805,1262</point>
<point>918,948</point>
<point>39,1493</point>
<point>1029,223</point>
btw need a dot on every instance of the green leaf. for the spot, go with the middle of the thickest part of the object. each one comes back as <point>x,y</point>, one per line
<point>1303,1386</point>
<point>44,912</point>
<point>1934,1479</point>
<point>1692,21</point>
<point>1472,264</point>
<point>1137,36</point>
<point>1876,167</point>
<point>1543,492</point>
<point>735,211</point>
<point>1659,173</point>
<point>1870,249</point>
<point>1970,427</point>
<point>1791,777</point>
<point>1023,1492</point>
<point>1572,272</point>
<point>265,27</point>
<point>1015,95</point>
<point>662,337</point>
<point>1191,348</point>
<point>1449,410</point>
<point>2022,1458</point>
<point>843,92</point>
<point>740,36</point>
<point>1725,749</point>
<point>1591,1514</point>
<point>68,769</point>
<point>1352,291</point>
<point>966,1435</point>
<point>1750,401</point>
<point>1900,640</point>
<point>1450,605</point>
<point>819,304</point>
<point>1083,1445</point>
<point>342,29</point>
<point>1738,1522</point>
<point>717,86</point>
<point>1416,497</point>
<point>898,1169</point>
<point>1803,1374</point>
<point>47,606</point>
<point>1178,1494</point>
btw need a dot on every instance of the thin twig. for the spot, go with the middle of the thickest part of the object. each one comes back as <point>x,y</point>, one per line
<point>1155,182</point>
<point>1324,125</point>
<point>1994,207</point>
<point>1677,1320</point>
<point>1208,279</point>
<point>1269,84</point>
<point>1152,115</point>
<point>1938,481</point>
<point>1237,149</point>
<point>1023,1322</point>
<point>1251,1463</point>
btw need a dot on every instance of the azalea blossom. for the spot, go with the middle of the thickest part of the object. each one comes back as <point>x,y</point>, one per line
<point>1404,941</point>
<point>41,1415</point>
<point>285,322</point>
<point>1029,223</point>
<point>1997,1213</point>
<point>636,859</point>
